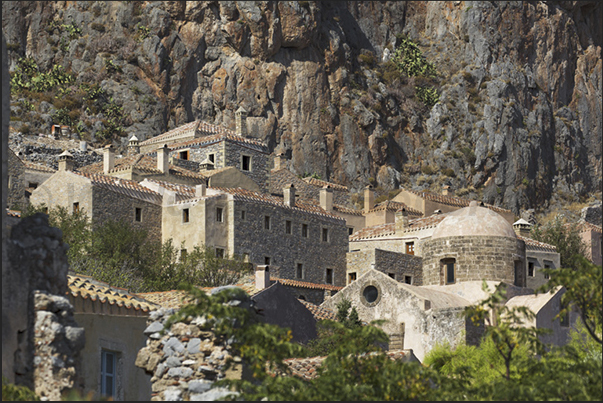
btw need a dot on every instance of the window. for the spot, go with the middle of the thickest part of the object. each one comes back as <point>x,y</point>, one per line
<point>185,215</point>
<point>325,235</point>
<point>243,215</point>
<point>300,270</point>
<point>304,230</point>
<point>33,185</point>
<point>392,275</point>
<point>108,378</point>
<point>220,253</point>
<point>350,230</point>
<point>212,158</point>
<point>219,214</point>
<point>351,277</point>
<point>183,155</point>
<point>329,276</point>
<point>245,163</point>
<point>246,257</point>
<point>267,222</point>
<point>287,227</point>
<point>449,271</point>
<point>76,208</point>
<point>546,275</point>
<point>530,269</point>
<point>408,279</point>
<point>267,260</point>
<point>410,248</point>
<point>183,254</point>
<point>370,294</point>
<point>138,214</point>
<point>302,297</point>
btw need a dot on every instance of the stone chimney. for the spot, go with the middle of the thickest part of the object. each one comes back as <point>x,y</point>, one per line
<point>326,198</point>
<point>401,221</point>
<point>262,277</point>
<point>108,159</point>
<point>163,159</point>
<point>133,146</point>
<point>279,162</point>
<point>369,198</point>
<point>446,191</point>
<point>66,161</point>
<point>522,228</point>
<point>200,190</point>
<point>289,195</point>
<point>241,121</point>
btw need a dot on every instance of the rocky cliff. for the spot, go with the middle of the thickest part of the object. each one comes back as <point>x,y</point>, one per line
<point>517,123</point>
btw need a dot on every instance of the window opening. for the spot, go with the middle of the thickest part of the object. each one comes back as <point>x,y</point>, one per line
<point>220,253</point>
<point>329,276</point>
<point>246,163</point>
<point>185,215</point>
<point>530,269</point>
<point>76,207</point>
<point>410,248</point>
<point>287,227</point>
<point>304,230</point>
<point>138,214</point>
<point>108,364</point>
<point>351,277</point>
<point>325,235</point>
<point>266,222</point>
<point>219,214</point>
<point>408,279</point>
<point>300,270</point>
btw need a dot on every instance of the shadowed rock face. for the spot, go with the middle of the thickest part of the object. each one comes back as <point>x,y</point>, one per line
<point>519,118</point>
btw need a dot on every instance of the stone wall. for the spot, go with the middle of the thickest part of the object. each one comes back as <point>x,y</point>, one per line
<point>287,250</point>
<point>592,214</point>
<point>259,162</point>
<point>539,259</point>
<point>387,262</point>
<point>476,258</point>
<point>16,183</point>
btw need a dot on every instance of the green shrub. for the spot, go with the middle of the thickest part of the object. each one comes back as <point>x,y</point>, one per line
<point>428,95</point>
<point>428,170</point>
<point>11,392</point>
<point>449,172</point>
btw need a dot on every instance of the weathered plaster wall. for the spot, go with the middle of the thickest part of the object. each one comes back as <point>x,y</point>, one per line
<point>539,259</point>
<point>108,332</point>
<point>63,189</point>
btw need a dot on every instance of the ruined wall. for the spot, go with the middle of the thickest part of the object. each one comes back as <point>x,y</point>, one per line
<point>16,182</point>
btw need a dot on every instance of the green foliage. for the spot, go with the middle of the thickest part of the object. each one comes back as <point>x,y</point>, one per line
<point>410,60</point>
<point>565,237</point>
<point>428,95</point>
<point>142,32</point>
<point>11,392</point>
<point>27,76</point>
<point>111,67</point>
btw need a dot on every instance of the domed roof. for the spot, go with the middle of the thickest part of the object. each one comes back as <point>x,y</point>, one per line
<point>473,221</point>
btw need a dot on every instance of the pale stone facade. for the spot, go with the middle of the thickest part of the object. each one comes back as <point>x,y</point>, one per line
<point>399,266</point>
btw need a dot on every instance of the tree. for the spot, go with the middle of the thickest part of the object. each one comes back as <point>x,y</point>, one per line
<point>565,238</point>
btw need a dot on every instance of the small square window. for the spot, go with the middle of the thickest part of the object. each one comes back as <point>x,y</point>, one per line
<point>243,215</point>
<point>410,248</point>
<point>325,235</point>
<point>212,158</point>
<point>408,279</point>
<point>329,276</point>
<point>245,163</point>
<point>392,275</point>
<point>530,269</point>
<point>266,222</point>
<point>287,227</point>
<point>138,214</point>
<point>267,260</point>
<point>76,208</point>
<point>183,155</point>
<point>350,230</point>
<point>185,215</point>
<point>351,277</point>
<point>300,271</point>
<point>219,253</point>
<point>219,214</point>
<point>304,230</point>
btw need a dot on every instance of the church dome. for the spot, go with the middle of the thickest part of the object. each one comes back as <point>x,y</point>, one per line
<point>473,221</point>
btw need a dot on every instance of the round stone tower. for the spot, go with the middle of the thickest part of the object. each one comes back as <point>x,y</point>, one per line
<point>473,244</point>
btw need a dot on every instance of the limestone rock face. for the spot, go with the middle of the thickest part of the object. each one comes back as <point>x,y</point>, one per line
<point>518,122</point>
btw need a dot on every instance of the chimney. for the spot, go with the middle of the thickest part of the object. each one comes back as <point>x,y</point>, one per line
<point>279,162</point>
<point>133,146</point>
<point>66,161</point>
<point>522,228</point>
<point>401,221</point>
<point>262,277</point>
<point>241,121</point>
<point>326,198</point>
<point>200,190</point>
<point>369,198</point>
<point>289,195</point>
<point>108,159</point>
<point>446,190</point>
<point>163,159</point>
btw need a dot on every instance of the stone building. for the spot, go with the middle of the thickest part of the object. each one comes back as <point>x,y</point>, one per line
<point>466,248</point>
<point>16,182</point>
<point>539,255</point>
<point>107,314</point>
<point>34,176</point>
<point>300,239</point>
<point>101,197</point>
<point>591,235</point>
<point>402,267</point>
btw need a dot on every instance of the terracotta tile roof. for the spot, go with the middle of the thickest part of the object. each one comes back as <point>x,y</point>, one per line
<point>307,368</point>
<point>395,206</point>
<point>123,186</point>
<point>38,167</point>
<point>347,210</point>
<point>319,312</point>
<point>385,230</point>
<point>303,284</point>
<point>191,127</point>
<point>254,144</point>
<point>88,288</point>
<point>13,213</point>
<point>168,299</point>
<point>452,200</point>
<point>143,164</point>
<point>533,244</point>
<point>587,226</point>
<point>303,205</point>
<point>320,184</point>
